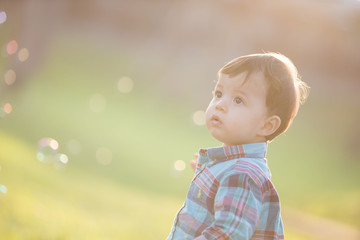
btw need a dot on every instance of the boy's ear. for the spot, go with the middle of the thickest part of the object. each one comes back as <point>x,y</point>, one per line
<point>271,124</point>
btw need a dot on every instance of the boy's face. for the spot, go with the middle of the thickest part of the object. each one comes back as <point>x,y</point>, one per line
<point>237,113</point>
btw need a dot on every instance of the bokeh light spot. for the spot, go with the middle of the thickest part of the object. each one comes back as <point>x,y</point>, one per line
<point>10,77</point>
<point>97,103</point>
<point>12,47</point>
<point>3,189</point>
<point>179,165</point>
<point>5,109</point>
<point>104,156</point>
<point>2,17</point>
<point>23,54</point>
<point>125,84</point>
<point>199,118</point>
<point>74,146</point>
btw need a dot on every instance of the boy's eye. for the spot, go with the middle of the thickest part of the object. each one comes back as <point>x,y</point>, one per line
<point>218,94</point>
<point>238,100</point>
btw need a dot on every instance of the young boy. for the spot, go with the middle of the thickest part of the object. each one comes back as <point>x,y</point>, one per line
<point>231,196</point>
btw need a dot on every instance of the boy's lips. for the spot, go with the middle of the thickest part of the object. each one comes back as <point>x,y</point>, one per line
<point>215,120</point>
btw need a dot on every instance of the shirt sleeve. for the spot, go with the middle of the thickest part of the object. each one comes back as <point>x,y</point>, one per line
<point>237,207</point>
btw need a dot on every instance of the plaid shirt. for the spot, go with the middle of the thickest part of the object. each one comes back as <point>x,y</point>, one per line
<point>230,197</point>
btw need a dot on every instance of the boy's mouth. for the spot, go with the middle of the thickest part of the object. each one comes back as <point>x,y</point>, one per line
<point>215,120</point>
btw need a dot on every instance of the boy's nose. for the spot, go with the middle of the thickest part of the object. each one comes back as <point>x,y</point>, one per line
<point>221,106</point>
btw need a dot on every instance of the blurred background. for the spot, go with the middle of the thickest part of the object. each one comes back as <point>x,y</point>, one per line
<point>102,108</point>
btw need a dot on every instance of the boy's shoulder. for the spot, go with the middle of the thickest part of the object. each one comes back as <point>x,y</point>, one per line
<point>236,171</point>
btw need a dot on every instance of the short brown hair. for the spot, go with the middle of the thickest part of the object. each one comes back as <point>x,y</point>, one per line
<point>285,90</point>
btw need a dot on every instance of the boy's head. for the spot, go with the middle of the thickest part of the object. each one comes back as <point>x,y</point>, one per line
<point>255,99</point>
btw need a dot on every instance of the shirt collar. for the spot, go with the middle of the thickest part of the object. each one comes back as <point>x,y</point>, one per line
<point>252,150</point>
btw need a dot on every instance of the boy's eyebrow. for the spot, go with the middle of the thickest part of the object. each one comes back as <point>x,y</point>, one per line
<point>238,90</point>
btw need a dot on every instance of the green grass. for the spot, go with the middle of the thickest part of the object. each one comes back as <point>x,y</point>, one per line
<point>44,203</point>
<point>147,132</point>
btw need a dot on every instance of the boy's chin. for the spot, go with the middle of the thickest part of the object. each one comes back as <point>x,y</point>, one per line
<point>219,136</point>
<point>220,139</point>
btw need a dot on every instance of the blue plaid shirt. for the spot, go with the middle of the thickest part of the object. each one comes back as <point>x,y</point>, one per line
<point>230,197</point>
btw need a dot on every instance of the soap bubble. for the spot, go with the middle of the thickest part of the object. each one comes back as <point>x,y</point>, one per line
<point>48,153</point>
<point>52,143</point>
<point>47,149</point>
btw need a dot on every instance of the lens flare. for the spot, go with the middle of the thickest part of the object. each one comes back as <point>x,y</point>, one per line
<point>179,165</point>
<point>97,103</point>
<point>10,77</point>
<point>104,156</point>
<point>23,54</point>
<point>12,47</point>
<point>125,85</point>
<point>2,17</point>
<point>199,118</point>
